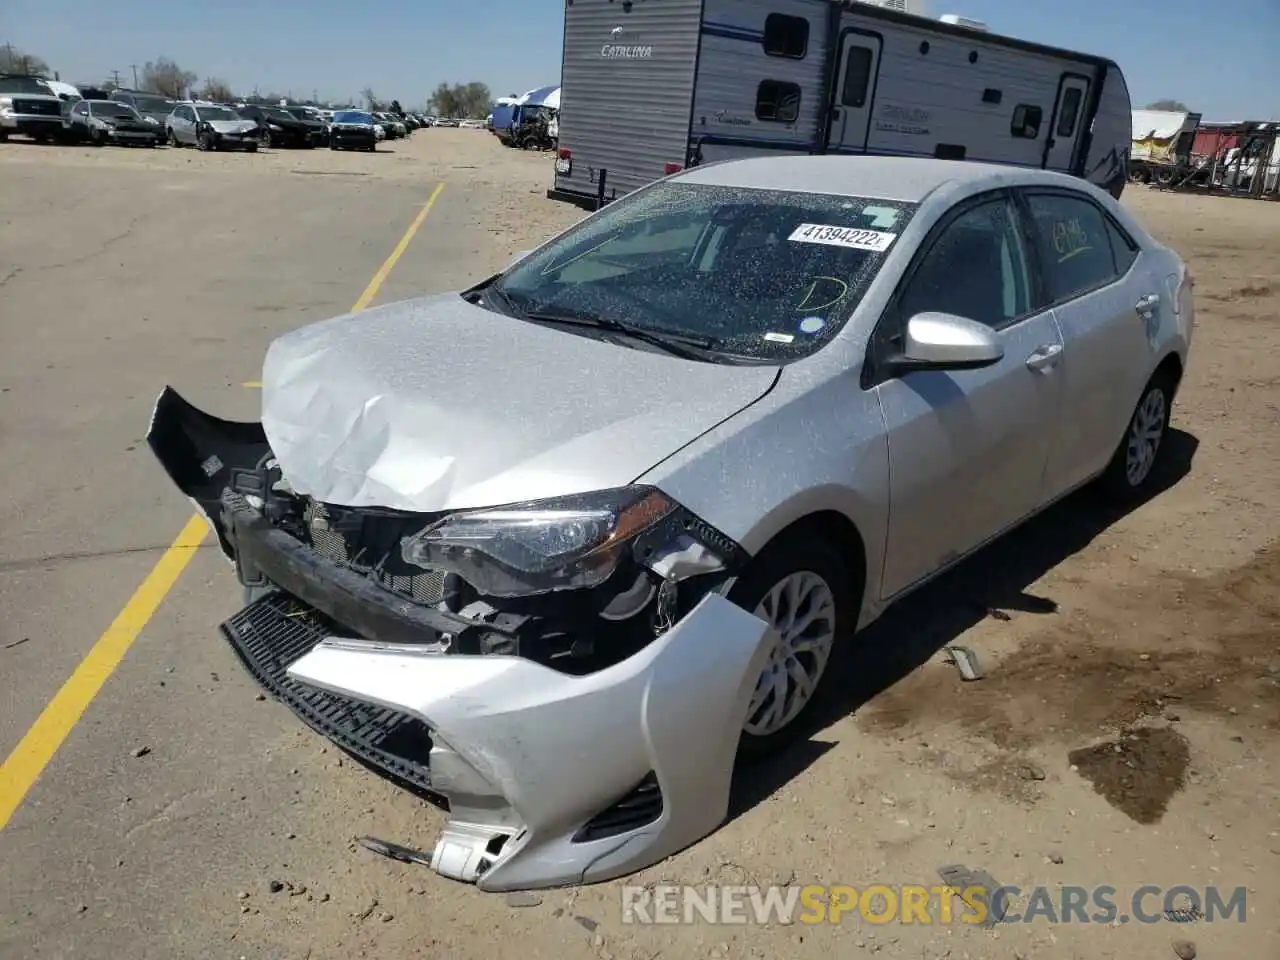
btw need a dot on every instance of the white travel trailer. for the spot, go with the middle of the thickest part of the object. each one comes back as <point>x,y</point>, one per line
<point>652,86</point>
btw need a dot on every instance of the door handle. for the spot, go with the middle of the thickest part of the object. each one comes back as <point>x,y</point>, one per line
<point>1148,303</point>
<point>1044,357</point>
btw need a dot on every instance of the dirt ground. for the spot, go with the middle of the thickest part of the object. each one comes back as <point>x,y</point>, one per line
<point>1126,730</point>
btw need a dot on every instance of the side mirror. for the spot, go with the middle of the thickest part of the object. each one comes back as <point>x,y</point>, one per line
<point>944,341</point>
<point>518,257</point>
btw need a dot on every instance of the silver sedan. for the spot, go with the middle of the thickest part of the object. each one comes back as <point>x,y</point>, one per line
<point>597,527</point>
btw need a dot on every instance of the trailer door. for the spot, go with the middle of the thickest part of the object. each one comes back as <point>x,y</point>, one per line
<point>854,95</point>
<point>1069,123</point>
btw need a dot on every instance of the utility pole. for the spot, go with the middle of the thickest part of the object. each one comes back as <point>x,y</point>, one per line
<point>115,78</point>
<point>134,68</point>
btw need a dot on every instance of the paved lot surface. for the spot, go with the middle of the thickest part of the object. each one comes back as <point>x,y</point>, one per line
<point>121,271</point>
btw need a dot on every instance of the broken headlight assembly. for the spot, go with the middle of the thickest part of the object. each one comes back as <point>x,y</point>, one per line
<point>568,543</point>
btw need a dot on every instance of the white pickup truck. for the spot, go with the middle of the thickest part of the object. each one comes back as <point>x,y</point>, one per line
<point>29,106</point>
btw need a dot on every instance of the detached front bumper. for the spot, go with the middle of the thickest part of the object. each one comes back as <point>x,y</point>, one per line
<point>551,778</point>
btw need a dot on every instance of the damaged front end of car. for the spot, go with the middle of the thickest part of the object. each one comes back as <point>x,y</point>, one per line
<point>566,673</point>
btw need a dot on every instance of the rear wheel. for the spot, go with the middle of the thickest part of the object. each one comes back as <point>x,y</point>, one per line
<point>801,586</point>
<point>1133,467</point>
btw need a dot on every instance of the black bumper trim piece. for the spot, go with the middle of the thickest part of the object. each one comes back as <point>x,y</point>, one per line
<point>341,594</point>
<point>271,635</point>
<point>585,201</point>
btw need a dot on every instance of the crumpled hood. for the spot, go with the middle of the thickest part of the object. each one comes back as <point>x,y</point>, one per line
<point>233,126</point>
<point>435,404</point>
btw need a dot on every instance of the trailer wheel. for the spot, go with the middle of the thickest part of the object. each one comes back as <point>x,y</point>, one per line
<point>1139,175</point>
<point>1164,177</point>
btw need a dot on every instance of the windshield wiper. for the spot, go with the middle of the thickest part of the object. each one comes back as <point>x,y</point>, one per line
<point>688,346</point>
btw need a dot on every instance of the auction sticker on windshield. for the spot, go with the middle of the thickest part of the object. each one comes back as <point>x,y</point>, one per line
<point>852,237</point>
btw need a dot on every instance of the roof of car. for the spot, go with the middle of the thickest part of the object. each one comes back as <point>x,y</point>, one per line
<point>904,179</point>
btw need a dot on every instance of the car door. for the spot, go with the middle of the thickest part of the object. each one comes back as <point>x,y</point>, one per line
<point>184,125</point>
<point>1108,304</point>
<point>967,448</point>
<point>80,119</point>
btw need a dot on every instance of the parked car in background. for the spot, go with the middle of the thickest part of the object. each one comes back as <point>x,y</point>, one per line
<point>150,106</point>
<point>353,130</point>
<point>278,127</point>
<point>100,122</point>
<point>209,126</point>
<point>394,128</point>
<point>29,107</point>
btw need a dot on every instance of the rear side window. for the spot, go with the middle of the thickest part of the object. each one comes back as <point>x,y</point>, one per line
<point>857,77</point>
<point>1073,240</point>
<point>1070,113</point>
<point>777,101</point>
<point>786,36</point>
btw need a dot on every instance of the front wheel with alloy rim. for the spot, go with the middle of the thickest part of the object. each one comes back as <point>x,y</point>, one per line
<point>204,142</point>
<point>801,586</point>
<point>1133,466</point>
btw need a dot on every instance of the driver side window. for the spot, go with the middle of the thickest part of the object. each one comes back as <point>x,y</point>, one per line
<point>976,268</point>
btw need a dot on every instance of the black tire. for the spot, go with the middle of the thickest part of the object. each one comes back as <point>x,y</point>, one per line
<point>334,146</point>
<point>1131,473</point>
<point>800,552</point>
<point>372,148</point>
<point>204,141</point>
<point>251,147</point>
<point>172,139</point>
<point>1164,177</point>
<point>97,138</point>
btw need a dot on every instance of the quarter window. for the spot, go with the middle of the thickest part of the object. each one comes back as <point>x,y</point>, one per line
<point>976,268</point>
<point>786,36</point>
<point>1073,242</point>
<point>1123,249</point>
<point>857,77</point>
<point>1026,121</point>
<point>777,101</point>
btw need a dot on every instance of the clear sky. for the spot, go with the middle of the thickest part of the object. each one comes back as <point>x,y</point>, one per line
<point>1222,59</point>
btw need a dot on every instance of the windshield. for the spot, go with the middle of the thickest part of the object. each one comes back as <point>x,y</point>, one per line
<point>106,109</point>
<point>24,85</point>
<point>278,114</point>
<point>217,113</point>
<point>351,116</point>
<point>153,104</point>
<point>766,274</point>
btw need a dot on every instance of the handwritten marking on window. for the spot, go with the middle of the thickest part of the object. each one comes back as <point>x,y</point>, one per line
<point>1070,239</point>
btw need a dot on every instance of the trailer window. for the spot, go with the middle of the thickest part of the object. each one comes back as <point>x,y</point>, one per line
<point>1026,121</point>
<point>786,36</point>
<point>777,101</point>
<point>857,77</point>
<point>1070,112</point>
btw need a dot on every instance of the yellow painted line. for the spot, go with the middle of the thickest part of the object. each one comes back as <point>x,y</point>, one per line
<point>37,747</point>
<point>252,384</point>
<point>384,271</point>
